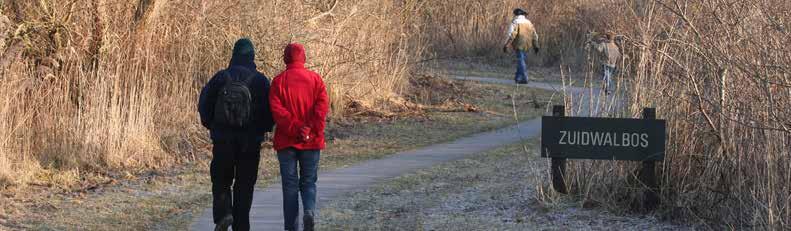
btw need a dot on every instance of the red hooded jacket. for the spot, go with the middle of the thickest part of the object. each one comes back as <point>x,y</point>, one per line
<point>299,103</point>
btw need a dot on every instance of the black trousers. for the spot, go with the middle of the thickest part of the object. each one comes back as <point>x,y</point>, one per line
<point>234,163</point>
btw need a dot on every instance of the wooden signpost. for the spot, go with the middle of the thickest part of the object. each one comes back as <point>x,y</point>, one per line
<point>604,139</point>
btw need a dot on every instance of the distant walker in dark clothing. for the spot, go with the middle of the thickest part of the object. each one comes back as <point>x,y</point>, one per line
<point>234,106</point>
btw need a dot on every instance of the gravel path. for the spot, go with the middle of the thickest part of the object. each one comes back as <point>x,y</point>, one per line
<point>502,189</point>
<point>267,205</point>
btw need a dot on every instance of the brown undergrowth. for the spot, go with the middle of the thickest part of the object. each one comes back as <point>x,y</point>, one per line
<point>104,86</point>
<point>107,87</point>
<point>168,199</point>
<point>717,71</point>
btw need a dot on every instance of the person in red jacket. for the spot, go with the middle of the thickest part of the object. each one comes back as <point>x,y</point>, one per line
<point>299,103</point>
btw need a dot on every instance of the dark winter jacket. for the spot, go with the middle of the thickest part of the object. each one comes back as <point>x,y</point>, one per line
<point>242,64</point>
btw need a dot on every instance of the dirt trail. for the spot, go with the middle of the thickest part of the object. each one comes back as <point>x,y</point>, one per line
<point>267,207</point>
<point>267,210</point>
<point>502,189</point>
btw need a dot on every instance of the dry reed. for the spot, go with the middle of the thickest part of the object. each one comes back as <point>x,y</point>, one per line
<point>107,85</point>
<point>101,84</point>
<point>717,71</point>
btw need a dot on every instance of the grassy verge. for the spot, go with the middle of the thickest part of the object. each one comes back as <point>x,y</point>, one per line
<point>505,70</point>
<point>503,189</point>
<point>169,199</point>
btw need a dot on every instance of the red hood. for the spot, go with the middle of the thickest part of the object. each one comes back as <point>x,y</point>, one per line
<point>294,54</point>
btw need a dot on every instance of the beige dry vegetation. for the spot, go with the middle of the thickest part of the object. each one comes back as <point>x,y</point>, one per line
<point>169,200</point>
<point>716,70</point>
<point>107,85</point>
<point>94,86</point>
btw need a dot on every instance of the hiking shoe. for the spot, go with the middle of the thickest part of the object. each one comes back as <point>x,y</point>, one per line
<point>224,223</point>
<point>307,220</point>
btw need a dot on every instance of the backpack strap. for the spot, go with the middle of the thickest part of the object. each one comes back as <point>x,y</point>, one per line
<point>247,79</point>
<point>246,75</point>
<point>227,78</point>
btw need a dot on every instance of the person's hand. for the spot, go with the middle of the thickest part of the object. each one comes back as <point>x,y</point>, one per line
<point>535,49</point>
<point>304,135</point>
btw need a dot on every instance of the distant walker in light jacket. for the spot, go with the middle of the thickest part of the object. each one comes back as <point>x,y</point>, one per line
<point>300,105</point>
<point>521,37</point>
<point>608,54</point>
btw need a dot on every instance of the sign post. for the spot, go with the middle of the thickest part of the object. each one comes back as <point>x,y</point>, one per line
<point>559,164</point>
<point>648,172</point>
<point>641,140</point>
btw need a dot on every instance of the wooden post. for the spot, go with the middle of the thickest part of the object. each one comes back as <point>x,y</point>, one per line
<point>559,164</point>
<point>648,172</point>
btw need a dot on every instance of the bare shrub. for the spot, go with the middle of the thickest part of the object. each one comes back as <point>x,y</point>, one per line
<point>717,71</point>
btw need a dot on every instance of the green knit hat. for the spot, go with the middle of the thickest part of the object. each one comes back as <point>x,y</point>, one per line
<point>243,53</point>
<point>243,47</point>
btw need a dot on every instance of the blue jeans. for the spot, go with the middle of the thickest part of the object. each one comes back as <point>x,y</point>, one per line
<point>608,72</point>
<point>294,184</point>
<point>521,66</point>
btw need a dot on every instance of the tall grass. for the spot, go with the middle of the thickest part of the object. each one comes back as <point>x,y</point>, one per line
<point>459,28</point>
<point>717,71</point>
<point>108,85</point>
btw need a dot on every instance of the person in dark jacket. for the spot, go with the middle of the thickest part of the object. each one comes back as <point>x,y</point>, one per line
<point>236,150</point>
<point>299,106</point>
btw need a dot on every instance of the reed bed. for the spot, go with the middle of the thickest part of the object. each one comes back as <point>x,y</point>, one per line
<point>109,85</point>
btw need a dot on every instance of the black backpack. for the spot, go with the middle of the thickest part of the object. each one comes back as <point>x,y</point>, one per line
<point>234,101</point>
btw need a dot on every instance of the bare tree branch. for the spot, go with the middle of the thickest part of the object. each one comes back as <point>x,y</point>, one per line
<point>326,13</point>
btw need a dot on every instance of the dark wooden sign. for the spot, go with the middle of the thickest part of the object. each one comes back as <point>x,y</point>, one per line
<point>602,138</point>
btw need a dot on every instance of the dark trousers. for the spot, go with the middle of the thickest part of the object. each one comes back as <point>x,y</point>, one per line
<point>298,182</point>
<point>235,162</point>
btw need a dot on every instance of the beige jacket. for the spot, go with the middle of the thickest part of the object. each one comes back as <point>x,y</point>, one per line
<point>522,34</point>
<point>609,54</point>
